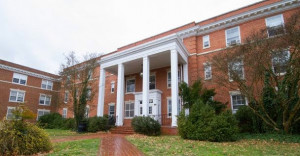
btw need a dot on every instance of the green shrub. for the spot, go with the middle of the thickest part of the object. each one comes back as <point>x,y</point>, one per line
<point>248,121</point>
<point>22,138</point>
<point>204,124</point>
<point>146,125</point>
<point>69,124</point>
<point>97,124</point>
<point>51,121</point>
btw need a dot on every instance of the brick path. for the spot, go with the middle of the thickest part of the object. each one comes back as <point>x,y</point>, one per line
<point>117,145</point>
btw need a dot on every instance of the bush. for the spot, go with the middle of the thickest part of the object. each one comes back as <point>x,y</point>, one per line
<point>97,124</point>
<point>22,138</point>
<point>51,121</point>
<point>248,121</point>
<point>69,124</point>
<point>146,125</point>
<point>203,124</point>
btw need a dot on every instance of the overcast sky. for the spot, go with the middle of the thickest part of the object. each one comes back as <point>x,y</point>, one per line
<point>37,33</point>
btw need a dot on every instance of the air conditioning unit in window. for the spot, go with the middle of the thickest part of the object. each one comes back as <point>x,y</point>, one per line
<point>234,42</point>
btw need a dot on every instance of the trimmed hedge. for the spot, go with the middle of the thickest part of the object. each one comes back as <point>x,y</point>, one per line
<point>22,138</point>
<point>146,125</point>
<point>51,121</point>
<point>203,124</point>
<point>97,124</point>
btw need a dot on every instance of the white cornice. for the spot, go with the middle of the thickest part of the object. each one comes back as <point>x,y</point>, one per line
<point>173,38</point>
<point>240,18</point>
<point>25,72</point>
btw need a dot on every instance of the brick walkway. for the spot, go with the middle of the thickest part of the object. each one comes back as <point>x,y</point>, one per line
<point>117,145</point>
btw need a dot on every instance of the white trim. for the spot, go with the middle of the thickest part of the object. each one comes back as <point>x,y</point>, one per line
<point>126,103</point>
<point>43,110</point>
<point>44,104</point>
<point>169,87</point>
<point>112,83</point>
<point>47,84</point>
<point>280,74</point>
<point>64,115</point>
<point>127,79</point>
<point>109,105</point>
<point>66,97</point>
<point>232,93</point>
<point>19,77</point>
<point>203,37</point>
<point>267,18</point>
<point>210,68</point>
<point>243,71</point>
<point>17,90</point>
<point>27,86</point>
<point>25,72</point>
<point>260,12</point>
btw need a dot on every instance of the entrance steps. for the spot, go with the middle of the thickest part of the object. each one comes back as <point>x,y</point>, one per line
<point>122,130</point>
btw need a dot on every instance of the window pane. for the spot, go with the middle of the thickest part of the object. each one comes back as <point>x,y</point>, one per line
<point>15,80</point>
<point>20,97</point>
<point>22,81</point>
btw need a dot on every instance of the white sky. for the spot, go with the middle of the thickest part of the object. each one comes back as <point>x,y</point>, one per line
<point>37,33</point>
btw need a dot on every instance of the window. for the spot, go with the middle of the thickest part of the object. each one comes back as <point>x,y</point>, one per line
<point>112,87</point>
<point>42,112</point>
<point>9,114</point>
<point>47,84</point>
<point>169,79</point>
<point>130,85</point>
<point>90,74</point>
<point>45,100</point>
<point>280,61</point>
<point>65,112</point>
<point>275,25</point>
<point>207,71</point>
<point>89,93</point>
<point>66,98</point>
<point>87,111</point>
<point>16,96</point>
<point>169,110</point>
<point>206,42</point>
<point>19,78</point>
<point>129,109</point>
<point>141,107</point>
<point>150,109</point>
<point>237,100</point>
<point>68,79</point>
<point>233,36</point>
<point>111,109</point>
<point>236,70</point>
<point>152,82</point>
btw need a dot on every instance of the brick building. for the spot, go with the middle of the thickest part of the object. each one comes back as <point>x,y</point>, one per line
<point>35,89</point>
<point>142,78</point>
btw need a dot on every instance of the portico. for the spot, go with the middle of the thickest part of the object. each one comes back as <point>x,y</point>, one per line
<point>168,51</point>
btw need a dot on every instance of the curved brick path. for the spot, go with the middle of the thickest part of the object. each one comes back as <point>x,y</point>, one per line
<point>117,145</point>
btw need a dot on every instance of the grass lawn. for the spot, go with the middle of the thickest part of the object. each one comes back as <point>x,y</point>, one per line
<point>58,133</point>
<point>174,145</point>
<point>80,147</point>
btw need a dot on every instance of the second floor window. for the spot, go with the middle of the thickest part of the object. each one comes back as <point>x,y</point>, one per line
<point>130,85</point>
<point>233,36</point>
<point>16,96</point>
<point>19,78</point>
<point>45,100</point>
<point>112,87</point>
<point>280,61</point>
<point>152,82</point>
<point>206,42</point>
<point>275,25</point>
<point>207,71</point>
<point>236,70</point>
<point>66,98</point>
<point>47,84</point>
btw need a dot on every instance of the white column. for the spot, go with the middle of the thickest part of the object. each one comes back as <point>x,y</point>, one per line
<point>145,85</point>
<point>120,95</point>
<point>186,80</point>
<point>101,93</point>
<point>174,84</point>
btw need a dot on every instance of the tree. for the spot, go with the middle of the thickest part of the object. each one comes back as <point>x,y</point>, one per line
<point>266,70</point>
<point>192,94</point>
<point>78,81</point>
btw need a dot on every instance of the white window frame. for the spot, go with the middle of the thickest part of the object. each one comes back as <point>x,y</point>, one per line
<point>206,38</point>
<point>19,77</point>
<point>47,83</point>
<point>272,60</point>
<point>90,74</point>
<point>10,108</point>
<point>49,96</point>
<point>109,111</point>
<point>130,110</point>
<point>17,95</point>
<point>268,22</point>
<point>205,71</point>
<point>128,79</point>
<point>112,87</point>
<point>66,98</point>
<point>65,113</point>
<point>234,93</point>
<point>229,73</point>
<point>169,107</point>
<point>87,111</point>
<point>89,93</point>
<point>43,110</point>
<point>169,80</point>
<point>239,32</point>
